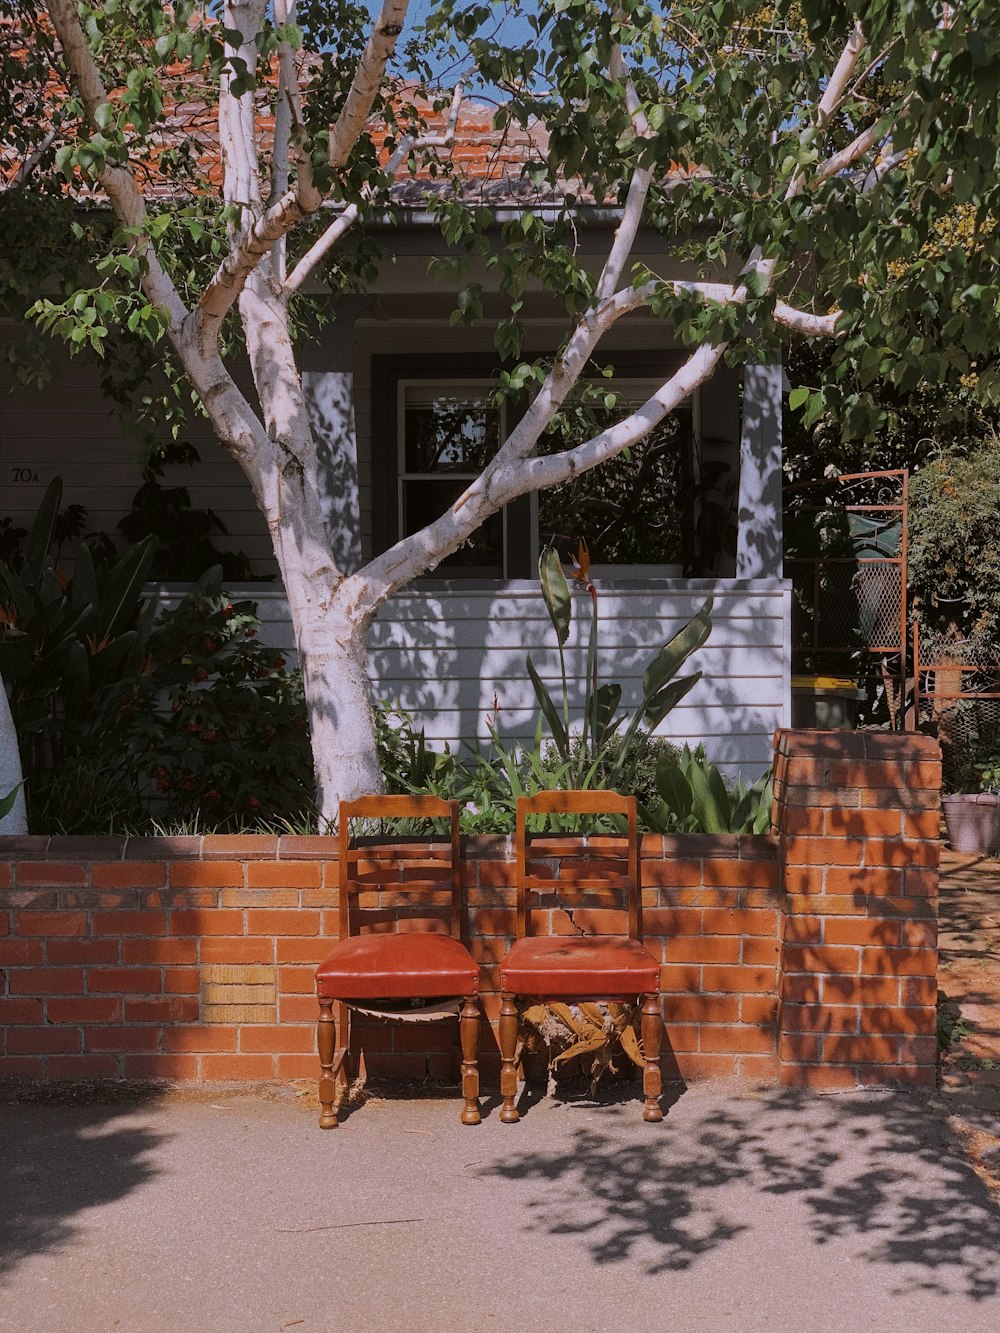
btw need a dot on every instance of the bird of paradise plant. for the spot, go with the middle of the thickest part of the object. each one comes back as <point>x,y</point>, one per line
<point>592,752</point>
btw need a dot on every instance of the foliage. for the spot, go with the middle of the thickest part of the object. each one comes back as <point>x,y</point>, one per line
<point>119,714</point>
<point>878,203</point>
<point>973,764</point>
<point>602,723</point>
<point>216,724</point>
<point>65,644</point>
<point>184,535</point>
<point>8,799</point>
<point>954,553</point>
<point>917,425</point>
<point>694,798</point>
<point>952,1028</point>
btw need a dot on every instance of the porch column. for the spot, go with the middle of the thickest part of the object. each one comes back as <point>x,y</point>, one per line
<point>758,542</point>
<point>328,381</point>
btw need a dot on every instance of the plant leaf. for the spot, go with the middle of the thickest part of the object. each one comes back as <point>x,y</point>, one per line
<point>673,654</point>
<point>605,705</point>
<point>555,591</point>
<point>7,802</point>
<point>36,547</point>
<point>550,711</point>
<point>674,787</point>
<point>660,705</point>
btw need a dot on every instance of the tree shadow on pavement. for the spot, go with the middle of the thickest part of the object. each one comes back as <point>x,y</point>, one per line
<point>58,1161</point>
<point>879,1171</point>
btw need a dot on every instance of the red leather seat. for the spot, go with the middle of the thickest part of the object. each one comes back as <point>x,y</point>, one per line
<point>418,965</point>
<point>596,967</point>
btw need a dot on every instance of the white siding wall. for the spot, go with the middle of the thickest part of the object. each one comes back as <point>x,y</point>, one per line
<point>69,430</point>
<point>442,651</point>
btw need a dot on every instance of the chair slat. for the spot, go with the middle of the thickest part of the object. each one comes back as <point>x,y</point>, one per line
<point>396,807</point>
<point>592,873</point>
<point>577,803</point>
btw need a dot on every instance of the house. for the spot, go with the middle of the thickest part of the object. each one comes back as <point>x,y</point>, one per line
<point>696,512</point>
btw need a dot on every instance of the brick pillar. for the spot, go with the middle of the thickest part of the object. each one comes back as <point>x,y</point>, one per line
<point>858,819</point>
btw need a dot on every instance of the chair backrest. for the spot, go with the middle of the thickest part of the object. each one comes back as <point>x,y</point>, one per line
<point>579,803</point>
<point>420,870</point>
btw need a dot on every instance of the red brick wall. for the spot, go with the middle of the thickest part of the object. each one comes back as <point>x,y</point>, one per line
<point>806,956</point>
<point>104,945</point>
<point>858,819</point>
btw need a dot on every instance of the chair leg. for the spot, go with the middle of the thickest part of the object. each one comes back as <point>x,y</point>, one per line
<point>469,1028</point>
<point>652,1036</point>
<point>327,1042</point>
<point>508,1051</point>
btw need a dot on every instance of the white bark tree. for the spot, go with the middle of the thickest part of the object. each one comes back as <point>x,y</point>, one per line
<point>837,132</point>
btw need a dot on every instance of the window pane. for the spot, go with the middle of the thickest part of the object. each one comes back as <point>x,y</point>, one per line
<point>448,433</point>
<point>631,510</point>
<point>424,501</point>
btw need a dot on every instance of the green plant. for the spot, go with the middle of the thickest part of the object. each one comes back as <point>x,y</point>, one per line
<point>954,553</point>
<point>952,1028</point>
<point>183,534</point>
<point>602,723</point>
<point>694,798</point>
<point>7,800</point>
<point>989,773</point>
<point>65,643</point>
<point>215,726</point>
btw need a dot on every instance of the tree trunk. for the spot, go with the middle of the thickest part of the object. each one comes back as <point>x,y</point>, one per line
<point>342,726</point>
<point>331,636</point>
<point>341,722</point>
<point>16,820</point>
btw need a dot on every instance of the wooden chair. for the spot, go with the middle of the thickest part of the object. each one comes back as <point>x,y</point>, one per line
<point>580,967</point>
<point>376,969</point>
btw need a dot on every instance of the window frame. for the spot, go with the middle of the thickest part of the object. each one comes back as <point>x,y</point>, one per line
<point>390,372</point>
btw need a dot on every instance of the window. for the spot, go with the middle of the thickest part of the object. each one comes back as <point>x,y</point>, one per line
<point>435,428</point>
<point>446,434</point>
<point>630,510</point>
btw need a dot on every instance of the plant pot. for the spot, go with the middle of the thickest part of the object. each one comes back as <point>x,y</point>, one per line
<point>973,821</point>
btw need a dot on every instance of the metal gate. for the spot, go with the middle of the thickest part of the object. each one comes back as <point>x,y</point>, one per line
<point>845,554</point>
<point>959,702</point>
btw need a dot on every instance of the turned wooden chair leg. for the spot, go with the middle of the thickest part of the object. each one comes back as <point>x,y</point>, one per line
<point>652,1036</point>
<point>469,1027</point>
<point>508,1052</point>
<point>327,1042</point>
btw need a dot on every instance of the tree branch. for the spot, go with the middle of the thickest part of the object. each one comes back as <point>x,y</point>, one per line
<point>118,182</point>
<point>367,80</point>
<point>638,190</point>
<point>345,220</point>
<point>514,472</point>
<point>31,162</point>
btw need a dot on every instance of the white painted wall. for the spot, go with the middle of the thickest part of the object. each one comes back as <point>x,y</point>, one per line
<point>442,650</point>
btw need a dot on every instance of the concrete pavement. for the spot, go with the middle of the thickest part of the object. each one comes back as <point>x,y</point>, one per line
<point>745,1210</point>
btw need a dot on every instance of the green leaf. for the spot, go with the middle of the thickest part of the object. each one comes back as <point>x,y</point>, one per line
<point>673,654</point>
<point>550,711</point>
<point>709,807</point>
<point>667,698</point>
<point>36,548</point>
<point>673,786</point>
<point>555,591</point>
<point>605,705</point>
<point>7,802</point>
<point>798,397</point>
<point>123,590</point>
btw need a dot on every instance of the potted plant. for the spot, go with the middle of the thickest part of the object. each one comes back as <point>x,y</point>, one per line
<point>972,815</point>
